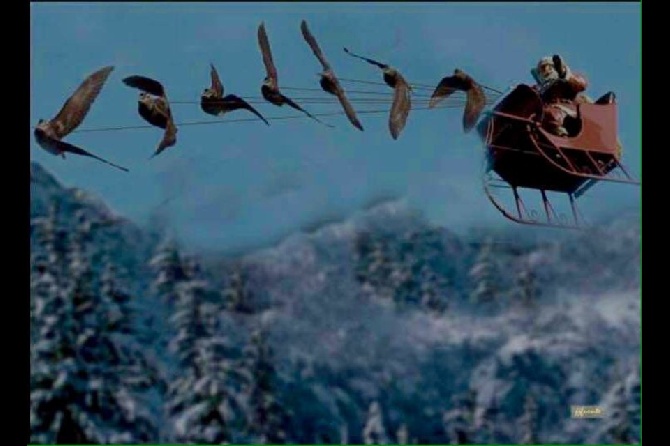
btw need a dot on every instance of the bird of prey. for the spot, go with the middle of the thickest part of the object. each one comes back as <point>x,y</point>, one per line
<point>213,102</point>
<point>402,102</point>
<point>154,107</point>
<point>329,82</point>
<point>49,133</point>
<point>270,89</point>
<point>475,97</point>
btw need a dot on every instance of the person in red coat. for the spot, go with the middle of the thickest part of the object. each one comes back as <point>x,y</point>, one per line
<point>557,85</point>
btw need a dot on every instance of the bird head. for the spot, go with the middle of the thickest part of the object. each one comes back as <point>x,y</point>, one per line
<point>269,82</point>
<point>145,98</point>
<point>41,125</point>
<point>208,93</point>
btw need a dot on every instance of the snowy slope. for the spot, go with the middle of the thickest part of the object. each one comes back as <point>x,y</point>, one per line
<point>340,345</point>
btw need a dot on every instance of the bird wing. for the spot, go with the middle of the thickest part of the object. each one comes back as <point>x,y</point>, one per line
<point>346,105</point>
<point>401,106</point>
<point>474,104</point>
<point>217,86</point>
<point>67,147</point>
<point>169,137</point>
<point>264,44</point>
<point>77,106</point>
<point>311,41</point>
<point>145,84</point>
<point>444,89</point>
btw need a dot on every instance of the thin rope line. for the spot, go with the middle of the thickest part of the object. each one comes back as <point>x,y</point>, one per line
<point>230,121</point>
<point>414,85</point>
<point>334,101</point>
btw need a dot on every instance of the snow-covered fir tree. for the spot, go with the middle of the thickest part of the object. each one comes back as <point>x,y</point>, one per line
<point>237,294</point>
<point>526,291</point>
<point>203,401</point>
<point>409,270</point>
<point>374,266</point>
<point>422,253</point>
<point>528,423</point>
<point>167,267</point>
<point>432,289</point>
<point>458,421</point>
<point>374,431</point>
<point>168,271</point>
<point>79,392</point>
<point>267,417</point>
<point>485,276</point>
<point>622,412</point>
<point>634,406</point>
<point>402,434</point>
<point>141,371</point>
<point>486,423</point>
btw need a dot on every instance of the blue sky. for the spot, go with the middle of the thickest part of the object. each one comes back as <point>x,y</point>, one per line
<point>238,184</point>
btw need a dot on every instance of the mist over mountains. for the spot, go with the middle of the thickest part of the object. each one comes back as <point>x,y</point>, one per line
<point>374,328</point>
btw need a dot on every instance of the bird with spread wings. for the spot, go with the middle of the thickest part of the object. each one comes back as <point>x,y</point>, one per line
<point>213,102</point>
<point>49,133</point>
<point>270,88</point>
<point>153,106</point>
<point>402,101</point>
<point>475,97</point>
<point>329,82</point>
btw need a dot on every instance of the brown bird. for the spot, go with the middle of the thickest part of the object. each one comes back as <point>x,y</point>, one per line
<point>329,82</point>
<point>475,97</point>
<point>214,103</point>
<point>154,107</point>
<point>270,89</point>
<point>402,102</point>
<point>48,133</point>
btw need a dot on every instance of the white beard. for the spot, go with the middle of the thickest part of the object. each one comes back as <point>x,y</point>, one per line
<point>552,76</point>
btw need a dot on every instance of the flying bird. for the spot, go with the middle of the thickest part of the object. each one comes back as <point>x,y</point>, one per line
<point>49,133</point>
<point>154,107</point>
<point>329,82</point>
<point>270,89</point>
<point>214,103</point>
<point>402,102</point>
<point>475,97</point>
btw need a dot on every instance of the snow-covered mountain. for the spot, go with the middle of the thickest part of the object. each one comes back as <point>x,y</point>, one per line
<point>384,326</point>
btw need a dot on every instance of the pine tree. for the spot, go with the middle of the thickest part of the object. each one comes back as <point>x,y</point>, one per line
<point>344,433</point>
<point>53,372</point>
<point>619,426</point>
<point>423,256</point>
<point>78,393</point>
<point>202,400</point>
<point>237,295</point>
<point>120,319</point>
<point>267,417</point>
<point>459,420</point>
<point>374,266</point>
<point>634,389</point>
<point>485,276</point>
<point>486,423</point>
<point>432,288</point>
<point>374,431</point>
<point>526,292</point>
<point>529,421</point>
<point>168,271</point>
<point>402,435</point>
